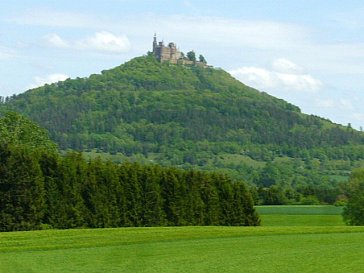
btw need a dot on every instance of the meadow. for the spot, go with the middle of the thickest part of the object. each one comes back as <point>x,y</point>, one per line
<point>319,215</point>
<point>284,248</point>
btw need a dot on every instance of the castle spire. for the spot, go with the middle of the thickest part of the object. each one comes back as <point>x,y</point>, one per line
<point>154,42</point>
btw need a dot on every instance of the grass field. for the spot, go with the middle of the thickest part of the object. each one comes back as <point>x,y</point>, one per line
<point>189,249</point>
<point>300,215</point>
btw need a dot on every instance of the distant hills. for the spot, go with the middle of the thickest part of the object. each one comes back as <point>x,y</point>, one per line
<point>201,117</point>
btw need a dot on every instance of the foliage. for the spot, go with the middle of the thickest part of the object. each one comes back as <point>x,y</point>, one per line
<point>18,130</point>
<point>38,188</point>
<point>191,55</point>
<point>202,59</point>
<point>198,117</point>
<point>21,190</point>
<point>354,210</point>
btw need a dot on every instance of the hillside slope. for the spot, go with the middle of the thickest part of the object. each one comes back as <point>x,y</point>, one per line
<point>179,102</point>
<point>193,116</point>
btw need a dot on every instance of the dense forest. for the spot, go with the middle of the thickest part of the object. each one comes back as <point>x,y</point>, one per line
<point>198,117</point>
<point>40,188</point>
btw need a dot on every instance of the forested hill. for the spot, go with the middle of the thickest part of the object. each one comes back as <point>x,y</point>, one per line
<point>143,105</point>
<point>192,116</point>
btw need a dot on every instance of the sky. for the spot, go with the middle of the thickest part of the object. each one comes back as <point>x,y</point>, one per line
<point>309,53</point>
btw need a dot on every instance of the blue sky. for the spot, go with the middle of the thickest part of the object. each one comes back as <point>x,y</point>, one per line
<point>310,53</point>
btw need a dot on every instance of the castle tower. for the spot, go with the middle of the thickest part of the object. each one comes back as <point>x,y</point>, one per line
<point>155,43</point>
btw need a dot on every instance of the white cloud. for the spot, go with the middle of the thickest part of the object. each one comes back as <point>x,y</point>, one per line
<point>52,78</point>
<point>106,42</point>
<point>302,82</point>
<point>255,76</point>
<point>56,41</point>
<point>283,65</point>
<point>6,53</point>
<point>103,41</point>
<point>284,74</point>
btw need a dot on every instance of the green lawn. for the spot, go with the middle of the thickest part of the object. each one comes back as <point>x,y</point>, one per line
<point>185,249</point>
<point>282,244</point>
<point>300,215</point>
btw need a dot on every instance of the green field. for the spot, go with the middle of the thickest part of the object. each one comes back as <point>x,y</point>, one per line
<point>300,215</point>
<point>191,249</point>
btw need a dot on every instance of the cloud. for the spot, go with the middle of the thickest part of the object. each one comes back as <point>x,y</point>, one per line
<point>286,66</point>
<point>6,53</point>
<point>52,78</point>
<point>56,41</point>
<point>106,42</point>
<point>103,41</point>
<point>284,74</point>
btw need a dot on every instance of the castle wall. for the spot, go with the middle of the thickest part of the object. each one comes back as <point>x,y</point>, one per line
<point>166,53</point>
<point>171,53</point>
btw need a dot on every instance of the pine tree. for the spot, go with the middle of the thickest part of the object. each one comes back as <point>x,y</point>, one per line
<point>22,190</point>
<point>153,214</point>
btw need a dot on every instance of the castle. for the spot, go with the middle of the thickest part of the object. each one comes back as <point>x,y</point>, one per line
<point>171,53</point>
<point>166,53</point>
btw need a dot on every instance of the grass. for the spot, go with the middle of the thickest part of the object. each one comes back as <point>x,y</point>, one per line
<point>269,248</point>
<point>300,210</point>
<point>300,215</point>
<point>185,249</point>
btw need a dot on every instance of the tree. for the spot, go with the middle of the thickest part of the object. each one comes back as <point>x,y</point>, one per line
<point>202,59</point>
<point>21,190</point>
<point>354,211</point>
<point>191,55</point>
<point>18,130</point>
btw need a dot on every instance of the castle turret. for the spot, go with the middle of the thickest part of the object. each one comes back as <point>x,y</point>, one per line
<point>155,43</point>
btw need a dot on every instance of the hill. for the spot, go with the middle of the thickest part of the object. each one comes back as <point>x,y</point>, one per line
<point>191,116</point>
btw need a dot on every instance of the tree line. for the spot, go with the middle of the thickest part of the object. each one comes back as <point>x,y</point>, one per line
<point>42,189</point>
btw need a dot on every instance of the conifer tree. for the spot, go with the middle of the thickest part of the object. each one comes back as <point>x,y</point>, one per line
<point>21,190</point>
<point>153,214</point>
